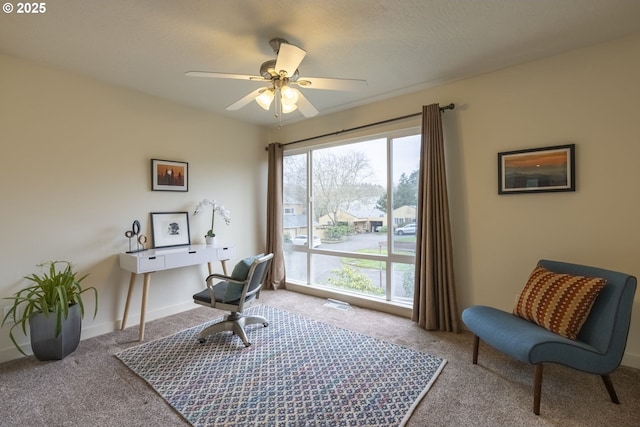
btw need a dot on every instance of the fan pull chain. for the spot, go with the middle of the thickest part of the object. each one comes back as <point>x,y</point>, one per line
<point>278,114</point>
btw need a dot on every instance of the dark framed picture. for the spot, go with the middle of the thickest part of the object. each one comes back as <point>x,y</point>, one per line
<point>537,170</point>
<point>167,175</point>
<point>170,229</point>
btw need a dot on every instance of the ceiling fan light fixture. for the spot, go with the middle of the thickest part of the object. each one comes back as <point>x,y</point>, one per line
<point>280,73</point>
<point>289,95</point>
<point>265,99</point>
<point>288,108</point>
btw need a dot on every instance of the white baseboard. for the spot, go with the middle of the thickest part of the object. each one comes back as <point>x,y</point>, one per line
<point>631,359</point>
<point>134,319</point>
<point>94,330</point>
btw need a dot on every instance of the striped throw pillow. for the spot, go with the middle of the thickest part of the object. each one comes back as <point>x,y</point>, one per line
<point>558,302</point>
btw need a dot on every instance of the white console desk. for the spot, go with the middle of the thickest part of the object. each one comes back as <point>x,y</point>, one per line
<point>152,260</point>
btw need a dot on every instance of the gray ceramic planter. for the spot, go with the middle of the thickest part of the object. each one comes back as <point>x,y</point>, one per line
<point>45,344</point>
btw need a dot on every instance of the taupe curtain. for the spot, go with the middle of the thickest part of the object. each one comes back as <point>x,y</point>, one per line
<point>434,304</point>
<point>275,278</point>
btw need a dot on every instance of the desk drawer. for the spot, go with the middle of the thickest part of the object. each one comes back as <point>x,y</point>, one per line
<point>225,253</point>
<point>153,263</point>
<point>184,259</point>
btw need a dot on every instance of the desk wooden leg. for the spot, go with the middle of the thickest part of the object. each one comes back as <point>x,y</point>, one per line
<point>223,262</point>
<point>143,308</point>
<point>132,282</point>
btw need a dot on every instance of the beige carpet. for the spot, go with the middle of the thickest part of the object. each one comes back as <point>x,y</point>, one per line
<point>92,388</point>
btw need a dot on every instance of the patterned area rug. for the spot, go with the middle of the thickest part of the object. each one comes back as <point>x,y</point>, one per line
<point>297,372</point>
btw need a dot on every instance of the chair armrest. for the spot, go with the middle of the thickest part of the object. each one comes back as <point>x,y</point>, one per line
<point>219,276</point>
<point>229,279</point>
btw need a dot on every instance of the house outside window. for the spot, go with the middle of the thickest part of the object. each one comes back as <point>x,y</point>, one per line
<point>344,203</point>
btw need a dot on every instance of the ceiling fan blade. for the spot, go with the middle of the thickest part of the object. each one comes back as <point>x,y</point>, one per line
<point>289,57</point>
<point>247,99</point>
<point>224,76</point>
<point>331,84</point>
<point>305,107</point>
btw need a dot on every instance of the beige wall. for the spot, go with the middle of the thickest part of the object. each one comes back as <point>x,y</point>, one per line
<point>75,174</point>
<point>590,97</point>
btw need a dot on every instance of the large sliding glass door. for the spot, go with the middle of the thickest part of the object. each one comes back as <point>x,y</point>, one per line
<point>350,216</point>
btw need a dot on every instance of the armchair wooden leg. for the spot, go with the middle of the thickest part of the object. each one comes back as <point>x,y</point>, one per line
<point>537,388</point>
<point>609,385</point>
<point>476,344</point>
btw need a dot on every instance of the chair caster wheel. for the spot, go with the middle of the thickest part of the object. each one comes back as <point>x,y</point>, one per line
<point>265,324</point>
<point>202,340</point>
<point>248,344</point>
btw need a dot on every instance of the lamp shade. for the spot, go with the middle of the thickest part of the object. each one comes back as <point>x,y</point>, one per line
<point>265,99</point>
<point>288,108</point>
<point>289,96</point>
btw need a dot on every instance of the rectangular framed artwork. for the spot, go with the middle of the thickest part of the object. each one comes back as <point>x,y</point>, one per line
<point>537,170</point>
<point>170,229</point>
<point>167,175</point>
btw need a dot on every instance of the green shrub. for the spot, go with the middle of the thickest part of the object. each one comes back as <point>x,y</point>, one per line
<point>336,232</point>
<point>408,282</point>
<point>352,279</point>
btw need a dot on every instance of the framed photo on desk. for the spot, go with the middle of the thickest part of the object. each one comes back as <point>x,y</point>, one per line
<point>170,229</point>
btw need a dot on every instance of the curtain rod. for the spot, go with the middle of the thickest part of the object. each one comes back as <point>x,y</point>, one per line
<point>442,110</point>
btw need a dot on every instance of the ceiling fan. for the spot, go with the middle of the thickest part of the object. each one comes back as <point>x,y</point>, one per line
<point>282,75</point>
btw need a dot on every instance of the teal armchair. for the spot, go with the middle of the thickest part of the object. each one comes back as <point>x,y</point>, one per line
<point>599,346</point>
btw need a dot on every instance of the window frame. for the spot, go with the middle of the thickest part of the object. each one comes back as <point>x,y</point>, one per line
<point>391,259</point>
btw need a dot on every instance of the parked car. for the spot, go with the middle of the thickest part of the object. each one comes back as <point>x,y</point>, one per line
<point>301,239</point>
<point>407,229</point>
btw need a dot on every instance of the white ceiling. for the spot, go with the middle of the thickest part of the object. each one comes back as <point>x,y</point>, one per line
<point>398,46</point>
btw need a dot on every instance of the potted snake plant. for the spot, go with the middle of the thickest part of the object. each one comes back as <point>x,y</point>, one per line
<point>53,307</point>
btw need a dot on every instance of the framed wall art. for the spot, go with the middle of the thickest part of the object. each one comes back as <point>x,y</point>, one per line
<point>536,170</point>
<point>170,229</point>
<point>167,175</point>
